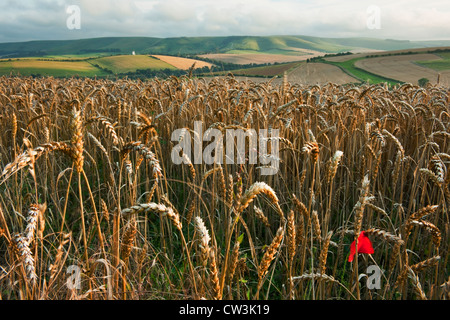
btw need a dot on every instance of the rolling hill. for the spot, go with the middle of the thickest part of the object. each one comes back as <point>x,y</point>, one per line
<point>34,67</point>
<point>302,59</point>
<point>130,63</point>
<point>293,45</point>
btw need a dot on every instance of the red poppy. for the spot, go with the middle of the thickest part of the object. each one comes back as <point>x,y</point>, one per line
<point>364,246</point>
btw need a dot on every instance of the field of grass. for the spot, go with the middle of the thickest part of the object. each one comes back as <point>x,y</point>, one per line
<point>95,205</point>
<point>80,56</point>
<point>130,63</point>
<point>28,67</point>
<point>438,65</point>
<point>444,55</point>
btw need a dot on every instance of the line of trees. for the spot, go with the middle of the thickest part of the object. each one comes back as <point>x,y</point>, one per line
<point>314,59</point>
<point>111,50</point>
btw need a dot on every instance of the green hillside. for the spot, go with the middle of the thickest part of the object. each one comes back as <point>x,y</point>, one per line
<point>28,67</point>
<point>200,45</point>
<point>438,65</point>
<point>129,63</point>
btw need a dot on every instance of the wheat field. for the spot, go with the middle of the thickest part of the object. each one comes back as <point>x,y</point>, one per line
<point>91,197</point>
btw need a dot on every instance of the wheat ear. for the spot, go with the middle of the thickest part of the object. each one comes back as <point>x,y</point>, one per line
<point>154,207</point>
<point>77,139</point>
<point>24,252</point>
<point>204,240</point>
<point>269,255</point>
<point>253,191</point>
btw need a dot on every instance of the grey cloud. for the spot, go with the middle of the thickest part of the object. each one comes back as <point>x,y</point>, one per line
<point>46,19</point>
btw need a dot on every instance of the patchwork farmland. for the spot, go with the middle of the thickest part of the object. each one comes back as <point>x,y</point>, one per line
<point>94,179</point>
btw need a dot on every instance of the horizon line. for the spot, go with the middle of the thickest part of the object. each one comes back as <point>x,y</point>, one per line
<point>229,36</point>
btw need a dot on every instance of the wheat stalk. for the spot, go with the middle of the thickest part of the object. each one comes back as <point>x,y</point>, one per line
<point>387,236</point>
<point>154,207</point>
<point>291,231</point>
<point>416,284</point>
<point>128,238</point>
<point>431,228</point>
<point>312,148</point>
<point>260,215</point>
<point>204,240</point>
<point>324,253</point>
<point>334,163</point>
<point>253,191</point>
<point>77,139</point>
<point>269,255</point>
<point>233,261</point>
<point>215,282</point>
<point>24,252</point>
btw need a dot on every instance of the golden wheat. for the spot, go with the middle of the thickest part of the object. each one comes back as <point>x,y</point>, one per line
<point>369,157</point>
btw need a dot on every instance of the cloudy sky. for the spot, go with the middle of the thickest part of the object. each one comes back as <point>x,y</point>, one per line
<point>60,19</point>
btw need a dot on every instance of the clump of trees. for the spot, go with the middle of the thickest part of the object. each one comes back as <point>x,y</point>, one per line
<point>423,82</point>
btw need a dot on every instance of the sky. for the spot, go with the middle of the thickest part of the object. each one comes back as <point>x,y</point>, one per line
<point>26,20</point>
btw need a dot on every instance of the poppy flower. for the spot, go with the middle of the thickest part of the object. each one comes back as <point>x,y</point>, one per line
<point>364,246</point>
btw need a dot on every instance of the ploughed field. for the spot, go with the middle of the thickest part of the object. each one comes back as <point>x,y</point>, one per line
<point>405,68</point>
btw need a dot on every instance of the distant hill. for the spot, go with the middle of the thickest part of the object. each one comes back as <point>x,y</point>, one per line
<point>202,45</point>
